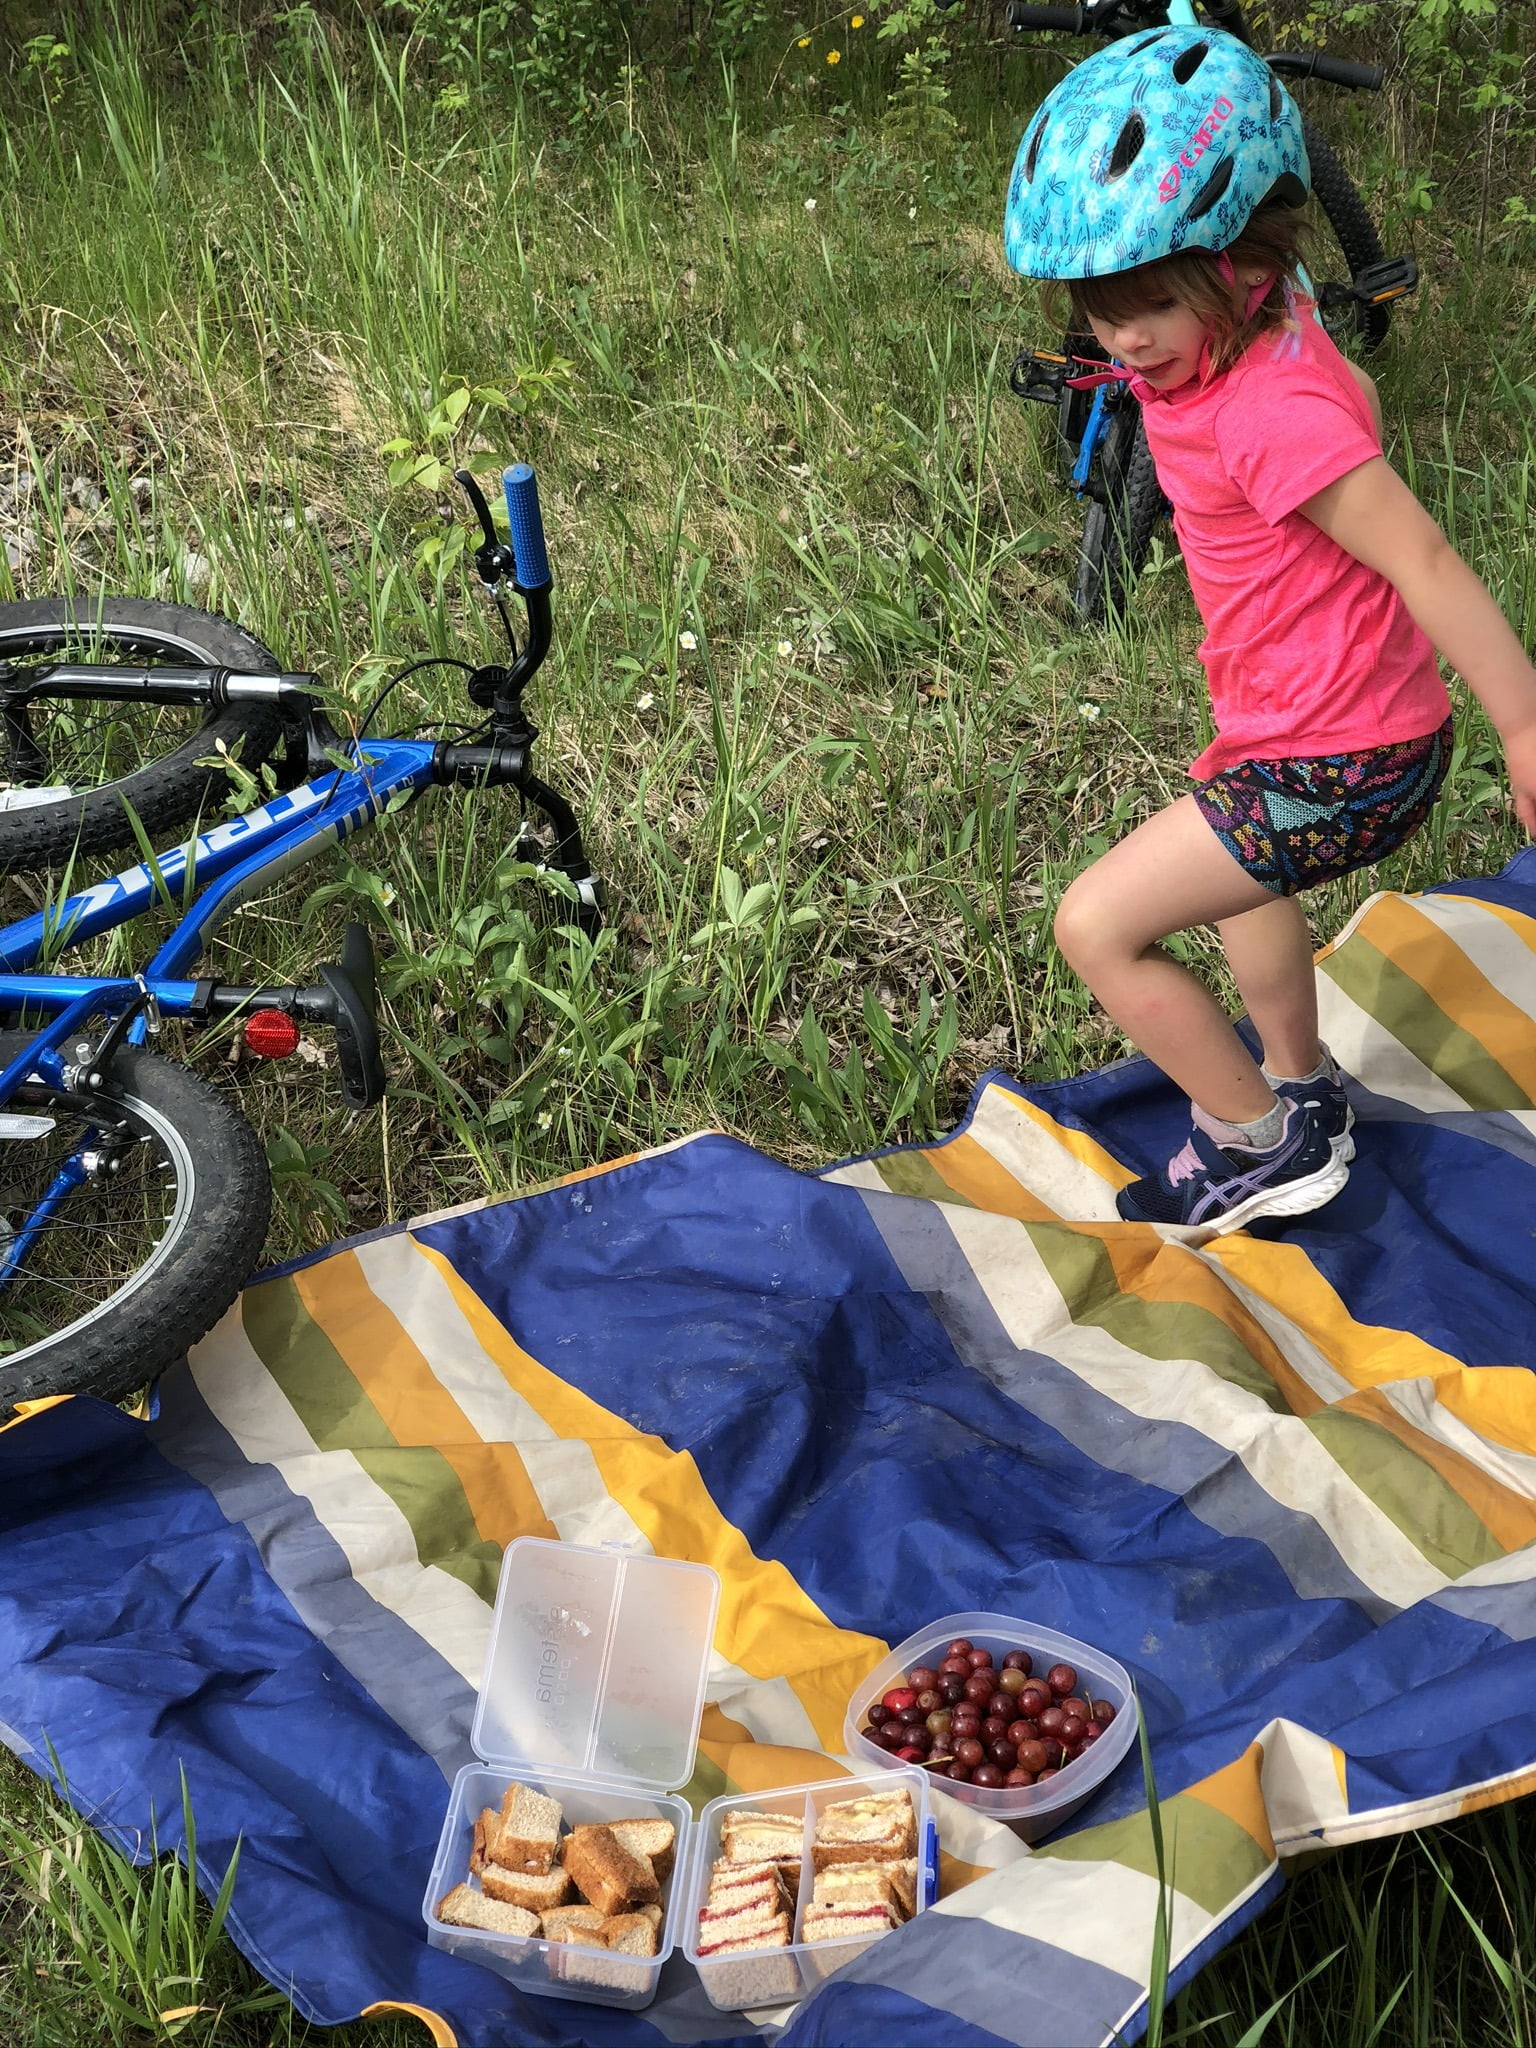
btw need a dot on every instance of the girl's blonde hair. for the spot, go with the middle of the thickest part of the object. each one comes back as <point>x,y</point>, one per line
<point>1273,240</point>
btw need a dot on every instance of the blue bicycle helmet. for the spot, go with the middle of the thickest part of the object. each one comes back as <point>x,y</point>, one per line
<point>1164,141</point>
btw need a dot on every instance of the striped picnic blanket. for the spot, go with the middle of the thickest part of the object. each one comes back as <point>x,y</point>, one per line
<point>1288,1479</point>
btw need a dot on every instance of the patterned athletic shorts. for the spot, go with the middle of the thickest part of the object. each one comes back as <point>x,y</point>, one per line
<point>1293,824</point>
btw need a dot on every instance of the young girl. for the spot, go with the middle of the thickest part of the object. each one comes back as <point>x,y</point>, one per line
<point>1162,179</point>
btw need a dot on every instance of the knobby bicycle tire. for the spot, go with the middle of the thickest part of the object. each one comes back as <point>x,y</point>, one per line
<point>1118,528</point>
<point>1353,227</point>
<point>165,792</point>
<point>213,1160</point>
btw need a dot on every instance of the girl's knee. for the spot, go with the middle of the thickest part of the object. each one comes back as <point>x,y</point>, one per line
<point>1084,929</point>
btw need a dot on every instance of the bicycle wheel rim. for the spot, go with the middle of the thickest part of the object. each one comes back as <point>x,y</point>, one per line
<point>68,1244</point>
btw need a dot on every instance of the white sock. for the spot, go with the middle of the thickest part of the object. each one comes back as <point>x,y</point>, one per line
<point>1262,1135</point>
<point>1319,1073</point>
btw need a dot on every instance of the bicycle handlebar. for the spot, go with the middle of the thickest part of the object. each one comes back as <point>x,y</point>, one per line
<point>1089,20</point>
<point>527,524</point>
<point>1331,70</point>
<point>1069,20</point>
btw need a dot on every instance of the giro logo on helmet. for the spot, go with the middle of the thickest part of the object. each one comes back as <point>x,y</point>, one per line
<point>1195,148</point>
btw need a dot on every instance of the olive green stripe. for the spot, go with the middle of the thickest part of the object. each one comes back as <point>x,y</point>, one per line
<point>913,1173</point>
<point>1083,1271</point>
<point>340,1417</point>
<point>1407,1490</point>
<point>1413,1017</point>
<point>1206,1855</point>
<point>310,1370</point>
<point>1403,1486</point>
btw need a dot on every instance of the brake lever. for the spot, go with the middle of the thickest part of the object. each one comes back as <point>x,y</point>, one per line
<point>494,560</point>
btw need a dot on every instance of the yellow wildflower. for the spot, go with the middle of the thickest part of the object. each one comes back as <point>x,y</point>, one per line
<point>804,43</point>
<point>834,56</point>
<point>857,21</point>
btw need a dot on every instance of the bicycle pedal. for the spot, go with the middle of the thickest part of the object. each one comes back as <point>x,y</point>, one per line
<point>1379,284</point>
<point>1040,374</point>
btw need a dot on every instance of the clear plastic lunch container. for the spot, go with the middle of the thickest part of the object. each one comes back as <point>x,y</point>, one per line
<point>592,1694</point>
<point>781,1976</point>
<point>1031,1810</point>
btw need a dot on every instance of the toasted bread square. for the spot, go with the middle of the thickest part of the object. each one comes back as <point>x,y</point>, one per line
<point>655,1840</point>
<point>530,1831</point>
<point>524,1888</point>
<point>463,1907</point>
<point>606,1873</point>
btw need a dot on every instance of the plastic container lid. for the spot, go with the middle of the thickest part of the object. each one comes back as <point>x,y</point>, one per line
<point>597,1664</point>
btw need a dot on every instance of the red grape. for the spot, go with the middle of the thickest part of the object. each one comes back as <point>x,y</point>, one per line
<point>979,1686</point>
<point>911,1714</point>
<point>969,1752</point>
<point>878,1713</point>
<point>981,1660</point>
<point>900,1696</point>
<point>922,1676</point>
<point>1034,1699</point>
<point>1023,1731</point>
<point>1050,1721</point>
<point>1103,1712</point>
<point>909,1754</point>
<point>1072,1732</point>
<point>1062,1679</point>
<point>1079,1706</point>
<point>1041,1776</point>
<point>1018,1777</point>
<point>930,1699</point>
<point>892,1735</point>
<point>961,1773</point>
<point>1034,1756</point>
<point>994,1728</point>
<point>1019,1660</point>
<point>939,1722</point>
<point>962,1646</point>
<point>953,1688</point>
<point>987,1774</point>
<point>1011,1680</point>
<point>955,1667</point>
<point>1091,1734</point>
<point>1004,1754</point>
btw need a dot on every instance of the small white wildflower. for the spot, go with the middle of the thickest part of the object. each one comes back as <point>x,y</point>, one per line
<point>911,213</point>
<point>387,896</point>
<point>1089,711</point>
<point>687,641</point>
<point>810,206</point>
<point>644,703</point>
<point>786,649</point>
<point>545,1120</point>
<point>802,540</point>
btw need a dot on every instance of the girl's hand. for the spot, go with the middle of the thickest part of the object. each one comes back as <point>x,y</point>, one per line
<point>1520,754</point>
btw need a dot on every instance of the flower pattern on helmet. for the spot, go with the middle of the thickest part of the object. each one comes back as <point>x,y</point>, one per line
<point>1164,141</point>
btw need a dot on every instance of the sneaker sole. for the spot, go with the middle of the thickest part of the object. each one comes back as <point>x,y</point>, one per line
<point>1296,1198</point>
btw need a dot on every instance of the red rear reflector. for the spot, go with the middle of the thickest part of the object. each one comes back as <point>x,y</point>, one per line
<point>271,1034</point>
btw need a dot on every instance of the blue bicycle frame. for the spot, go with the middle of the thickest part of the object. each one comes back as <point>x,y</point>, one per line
<point>227,865</point>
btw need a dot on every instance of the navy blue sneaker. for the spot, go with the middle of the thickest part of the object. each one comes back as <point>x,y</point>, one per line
<point>1221,1188</point>
<point>1326,1099</point>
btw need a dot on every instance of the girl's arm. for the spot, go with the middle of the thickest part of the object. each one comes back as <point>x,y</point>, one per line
<point>1374,516</point>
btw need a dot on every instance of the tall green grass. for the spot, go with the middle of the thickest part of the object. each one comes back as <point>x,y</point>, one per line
<point>816,691</point>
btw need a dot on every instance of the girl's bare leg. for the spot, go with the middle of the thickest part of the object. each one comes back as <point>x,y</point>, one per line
<point>1270,950</point>
<point>1166,876</point>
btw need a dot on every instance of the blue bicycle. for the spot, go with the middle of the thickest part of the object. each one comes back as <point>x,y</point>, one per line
<point>134,1197</point>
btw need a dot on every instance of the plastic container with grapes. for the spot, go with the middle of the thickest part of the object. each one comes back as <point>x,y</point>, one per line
<point>1030,1810</point>
<point>593,1691</point>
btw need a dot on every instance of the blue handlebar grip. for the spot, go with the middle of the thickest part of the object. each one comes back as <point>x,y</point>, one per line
<point>527,524</point>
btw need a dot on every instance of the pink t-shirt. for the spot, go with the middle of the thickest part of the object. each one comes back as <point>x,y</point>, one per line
<point>1307,651</point>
